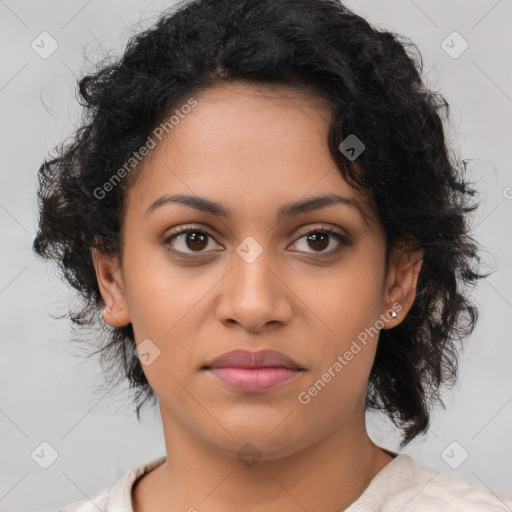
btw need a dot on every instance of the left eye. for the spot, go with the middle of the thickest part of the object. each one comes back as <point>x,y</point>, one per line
<point>319,240</point>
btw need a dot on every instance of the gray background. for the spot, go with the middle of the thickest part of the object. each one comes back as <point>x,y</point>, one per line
<point>46,391</point>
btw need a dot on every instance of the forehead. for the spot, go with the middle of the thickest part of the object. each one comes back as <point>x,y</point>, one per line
<point>257,145</point>
<point>238,116</point>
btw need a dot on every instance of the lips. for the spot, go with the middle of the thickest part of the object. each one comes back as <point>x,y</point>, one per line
<point>261,359</point>
<point>253,372</point>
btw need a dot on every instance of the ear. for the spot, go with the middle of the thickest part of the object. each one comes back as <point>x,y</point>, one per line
<point>404,268</point>
<point>110,282</point>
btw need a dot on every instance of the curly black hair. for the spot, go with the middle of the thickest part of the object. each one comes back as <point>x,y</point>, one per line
<point>371,78</point>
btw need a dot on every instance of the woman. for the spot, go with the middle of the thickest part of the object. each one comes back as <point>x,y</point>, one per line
<point>261,204</point>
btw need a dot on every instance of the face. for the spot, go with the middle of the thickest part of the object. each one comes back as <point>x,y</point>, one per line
<point>248,272</point>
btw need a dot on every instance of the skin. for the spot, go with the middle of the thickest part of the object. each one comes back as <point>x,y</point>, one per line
<point>254,148</point>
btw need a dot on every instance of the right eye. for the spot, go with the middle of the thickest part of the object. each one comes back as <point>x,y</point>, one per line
<point>189,240</point>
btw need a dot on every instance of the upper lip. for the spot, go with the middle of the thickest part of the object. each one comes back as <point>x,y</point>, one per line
<point>247,359</point>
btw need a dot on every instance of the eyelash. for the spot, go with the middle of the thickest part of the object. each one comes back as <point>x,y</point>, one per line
<point>343,241</point>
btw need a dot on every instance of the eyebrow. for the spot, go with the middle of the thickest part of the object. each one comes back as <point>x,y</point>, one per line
<point>285,211</point>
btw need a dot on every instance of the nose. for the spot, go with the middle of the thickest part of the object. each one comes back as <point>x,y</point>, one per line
<point>255,295</point>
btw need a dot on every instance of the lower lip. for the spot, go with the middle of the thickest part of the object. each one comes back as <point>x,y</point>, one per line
<point>253,380</point>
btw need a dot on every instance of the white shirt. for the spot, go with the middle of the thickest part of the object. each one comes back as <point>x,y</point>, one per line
<point>402,485</point>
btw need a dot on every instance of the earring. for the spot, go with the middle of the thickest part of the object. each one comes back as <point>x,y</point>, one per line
<point>393,314</point>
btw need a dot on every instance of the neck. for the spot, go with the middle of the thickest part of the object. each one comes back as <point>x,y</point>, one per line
<point>324,476</point>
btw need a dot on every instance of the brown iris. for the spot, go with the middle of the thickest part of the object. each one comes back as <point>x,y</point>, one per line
<point>199,240</point>
<point>315,239</point>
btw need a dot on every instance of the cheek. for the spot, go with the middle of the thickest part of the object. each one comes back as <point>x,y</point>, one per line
<point>158,299</point>
<point>160,292</point>
<point>345,309</point>
<point>169,305</point>
<point>345,302</point>
<point>345,342</point>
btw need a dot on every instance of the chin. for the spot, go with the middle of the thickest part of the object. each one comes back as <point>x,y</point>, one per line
<point>261,441</point>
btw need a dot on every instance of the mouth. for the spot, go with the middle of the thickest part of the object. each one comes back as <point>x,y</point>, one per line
<point>253,372</point>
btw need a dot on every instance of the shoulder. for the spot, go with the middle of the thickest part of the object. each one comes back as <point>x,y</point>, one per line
<point>116,497</point>
<point>413,487</point>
